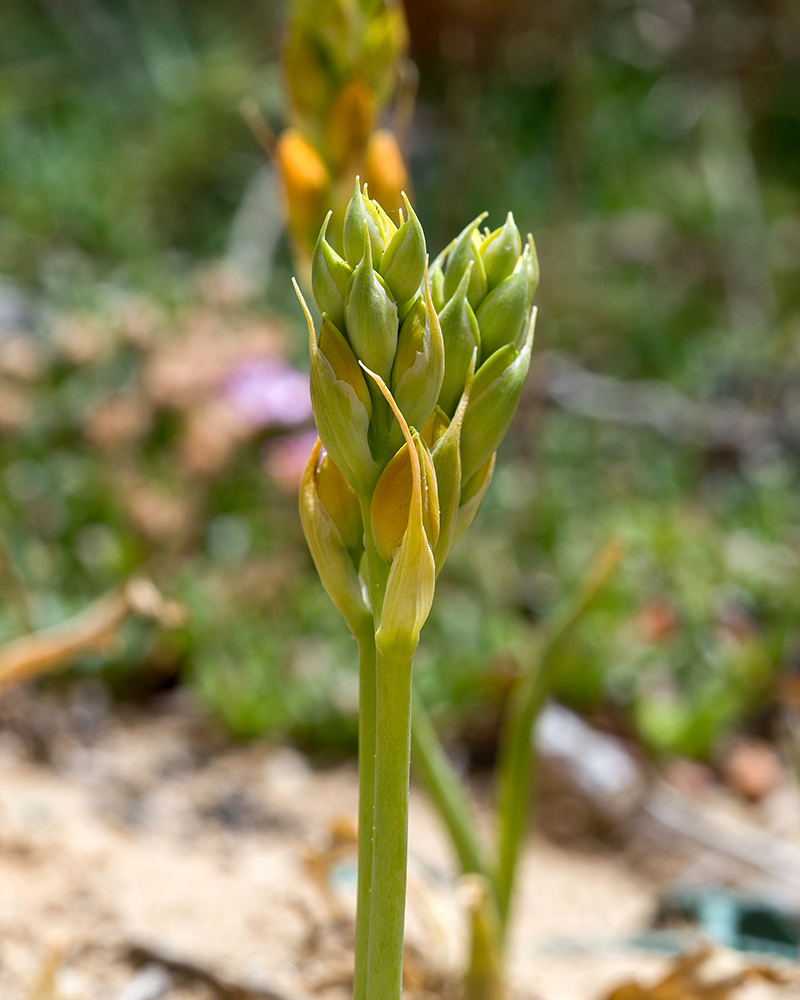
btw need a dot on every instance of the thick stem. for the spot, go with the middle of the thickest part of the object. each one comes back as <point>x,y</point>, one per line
<point>366,802</point>
<point>390,848</point>
<point>436,772</point>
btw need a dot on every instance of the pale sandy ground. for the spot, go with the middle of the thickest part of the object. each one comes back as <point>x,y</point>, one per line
<point>135,835</point>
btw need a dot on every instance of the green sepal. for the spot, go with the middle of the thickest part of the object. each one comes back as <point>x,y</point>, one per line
<point>502,314</point>
<point>333,345</point>
<point>472,494</point>
<point>465,250</point>
<point>371,313</point>
<point>334,562</point>
<point>501,251</point>
<point>533,270</point>
<point>461,336</point>
<point>419,363</point>
<point>412,577</point>
<point>446,454</point>
<point>493,402</point>
<point>386,227</point>
<point>342,405</point>
<point>329,277</point>
<point>356,217</point>
<point>437,285</point>
<point>435,426</point>
<point>403,261</point>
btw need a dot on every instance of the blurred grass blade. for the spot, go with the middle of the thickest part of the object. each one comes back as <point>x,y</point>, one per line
<point>516,750</point>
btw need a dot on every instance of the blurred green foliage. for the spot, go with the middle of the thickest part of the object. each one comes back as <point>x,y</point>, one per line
<point>651,147</point>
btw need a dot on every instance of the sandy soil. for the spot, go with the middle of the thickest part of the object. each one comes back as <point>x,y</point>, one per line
<point>141,831</point>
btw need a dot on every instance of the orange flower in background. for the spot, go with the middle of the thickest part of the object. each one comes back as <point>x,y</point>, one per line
<point>306,181</point>
<point>385,171</point>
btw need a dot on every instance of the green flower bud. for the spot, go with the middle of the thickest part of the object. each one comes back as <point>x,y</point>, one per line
<point>472,494</point>
<point>532,264</point>
<point>502,314</point>
<point>465,251</point>
<point>371,316</point>
<point>329,550</point>
<point>500,252</point>
<point>329,277</point>
<point>341,402</point>
<point>437,285</point>
<point>419,363</point>
<point>337,352</point>
<point>403,261</point>
<point>435,426</point>
<point>446,455</point>
<point>461,336</point>
<point>386,227</point>
<point>356,217</point>
<point>493,401</point>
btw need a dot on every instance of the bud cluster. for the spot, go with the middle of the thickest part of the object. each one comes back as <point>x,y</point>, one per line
<point>415,377</point>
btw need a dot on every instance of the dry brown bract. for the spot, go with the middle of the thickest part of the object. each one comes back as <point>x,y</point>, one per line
<point>691,978</point>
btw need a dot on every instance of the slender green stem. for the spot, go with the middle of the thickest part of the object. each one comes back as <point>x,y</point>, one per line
<point>390,848</point>
<point>377,573</point>
<point>442,783</point>
<point>515,769</point>
<point>516,750</point>
<point>366,802</point>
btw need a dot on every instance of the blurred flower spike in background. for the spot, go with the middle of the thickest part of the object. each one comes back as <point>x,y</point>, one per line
<point>344,63</point>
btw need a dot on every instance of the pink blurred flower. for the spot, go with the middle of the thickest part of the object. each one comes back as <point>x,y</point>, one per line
<point>267,392</point>
<point>285,458</point>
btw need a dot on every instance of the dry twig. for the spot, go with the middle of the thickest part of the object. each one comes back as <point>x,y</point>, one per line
<point>93,630</point>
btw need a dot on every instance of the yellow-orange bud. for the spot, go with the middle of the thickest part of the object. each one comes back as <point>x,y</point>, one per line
<point>391,501</point>
<point>340,502</point>
<point>385,171</point>
<point>306,182</point>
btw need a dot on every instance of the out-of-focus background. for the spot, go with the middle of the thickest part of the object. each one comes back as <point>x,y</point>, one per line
<point>652,150</point>
<point>154,416</point>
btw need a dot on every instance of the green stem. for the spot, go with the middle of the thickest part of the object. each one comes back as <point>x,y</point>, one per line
<point>377,573</point>
<point>485,978</point>
<point>442,784</point>
<point>515,769</point>
<point>390,849</point>
<point>366,802</point>
<point>516,749</point>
